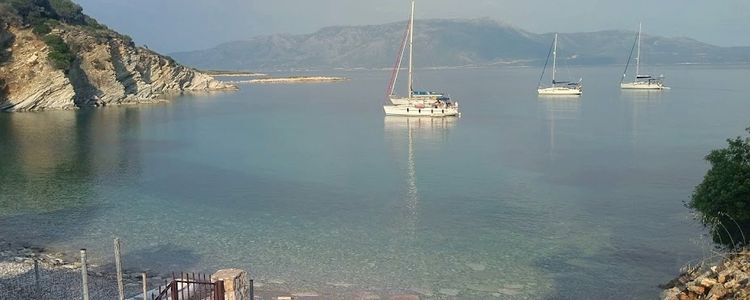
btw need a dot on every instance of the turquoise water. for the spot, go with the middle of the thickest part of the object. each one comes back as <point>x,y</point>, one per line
<point>311,189</point>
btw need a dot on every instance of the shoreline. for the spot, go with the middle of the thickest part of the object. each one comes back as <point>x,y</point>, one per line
<point>61,278</point>
<point>292,79</point>
<point>728,278</point>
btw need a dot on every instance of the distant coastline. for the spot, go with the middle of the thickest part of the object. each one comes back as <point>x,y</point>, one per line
<point>292,79</point>
<point>224,73</point>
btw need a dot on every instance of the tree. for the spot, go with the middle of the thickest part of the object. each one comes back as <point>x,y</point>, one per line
<point>68,11</point>
<point>723,198</point>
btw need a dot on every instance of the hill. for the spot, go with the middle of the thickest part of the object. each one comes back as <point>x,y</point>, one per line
<point>449,43</point>
<point>52,56</point>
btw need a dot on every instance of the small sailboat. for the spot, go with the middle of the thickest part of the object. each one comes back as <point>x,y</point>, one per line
<point>415,103</point>
<point>557,87</point>
<point>641,81</point>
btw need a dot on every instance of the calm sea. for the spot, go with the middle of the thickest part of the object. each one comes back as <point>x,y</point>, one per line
<point>312,189</point>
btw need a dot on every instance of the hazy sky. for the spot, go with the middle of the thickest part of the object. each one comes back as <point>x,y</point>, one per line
<point>175,25</point>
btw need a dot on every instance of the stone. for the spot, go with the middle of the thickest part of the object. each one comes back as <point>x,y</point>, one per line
<point>717,292</point>
<point>683,296</point>
<point>721,278</point>
<point>707,282</point>
<point>404,297</point>
<point>449,292</point>
<point>476,266</point>
<point>236,284</point>
<point>670,294</point>
<point>730,284</point>
<point>697,289</point>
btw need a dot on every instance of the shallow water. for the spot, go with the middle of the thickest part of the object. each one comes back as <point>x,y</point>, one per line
<point>311,189</point>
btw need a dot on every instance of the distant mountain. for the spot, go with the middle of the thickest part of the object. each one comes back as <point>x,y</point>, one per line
<point>447,43</point>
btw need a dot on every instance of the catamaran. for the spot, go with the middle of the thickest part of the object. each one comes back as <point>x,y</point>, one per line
<point>557,87</point>
<point>641,81</point>
<point>416,103</point>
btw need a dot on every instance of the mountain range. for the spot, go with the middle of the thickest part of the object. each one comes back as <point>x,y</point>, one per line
<point>450,43</point>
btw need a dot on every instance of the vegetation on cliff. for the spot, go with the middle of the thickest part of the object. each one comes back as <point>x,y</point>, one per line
<point>53,56</point>
<point>723,198</point>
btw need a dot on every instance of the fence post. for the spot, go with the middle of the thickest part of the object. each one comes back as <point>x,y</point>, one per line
<point>174,290</point>
<point>37,288</point>
<point>118,265</point>
<point>234,282</point>
<point>145,285</point>
<point>84,275</point>
<point>252,290</point>
<point>219,289</point>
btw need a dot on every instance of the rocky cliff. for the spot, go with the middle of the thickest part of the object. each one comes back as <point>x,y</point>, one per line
<point>57,64</point>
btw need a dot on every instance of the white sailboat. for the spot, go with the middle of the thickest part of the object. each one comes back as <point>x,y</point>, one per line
<point>641,81</point>
<point>416,103</point>
<point>557,87</point>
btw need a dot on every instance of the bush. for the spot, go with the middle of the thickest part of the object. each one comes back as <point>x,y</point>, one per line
<point>41,29</point>
<point>68,11</point>
<point>31,11</point>
<point>59,55</point>
<point>723,198</point>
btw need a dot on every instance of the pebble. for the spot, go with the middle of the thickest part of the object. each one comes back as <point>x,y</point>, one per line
<point>476,266</point>
<point>449,292</point>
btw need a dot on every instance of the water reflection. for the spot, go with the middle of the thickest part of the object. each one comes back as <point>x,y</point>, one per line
<point>53,164</point>
<point>557,110</point>
<point>640,102</point>
<point>409,129</point>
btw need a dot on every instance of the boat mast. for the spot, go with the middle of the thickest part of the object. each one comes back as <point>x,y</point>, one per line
<point>554,60</point>
<point>638,56</point>
<point>411,48</point>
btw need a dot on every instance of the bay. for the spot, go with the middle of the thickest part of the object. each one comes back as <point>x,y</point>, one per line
<point>311,188</point>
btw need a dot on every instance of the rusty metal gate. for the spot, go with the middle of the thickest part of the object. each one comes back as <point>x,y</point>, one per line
<point>191,287</point>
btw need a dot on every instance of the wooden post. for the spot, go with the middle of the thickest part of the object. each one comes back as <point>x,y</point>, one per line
<point>37,287</point>
<point>84,275</point>
<point>145,285</point>
<point>118,265</point>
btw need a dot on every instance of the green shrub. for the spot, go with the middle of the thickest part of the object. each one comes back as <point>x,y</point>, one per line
<point>41,29</point>
<point>31,11</point>
<point>723,198</point>
<point>59,55</point>
<point>67,11</point>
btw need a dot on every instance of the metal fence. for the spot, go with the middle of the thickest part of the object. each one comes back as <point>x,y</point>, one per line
<point>30,276</point>
<point>36,281</point>
<point>187,287</point>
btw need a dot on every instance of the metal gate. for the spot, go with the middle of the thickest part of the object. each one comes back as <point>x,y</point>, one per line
<point>187,287</point>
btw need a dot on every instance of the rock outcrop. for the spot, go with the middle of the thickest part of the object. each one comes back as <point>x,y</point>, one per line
<point>728,280</point>
<point>106,69</point>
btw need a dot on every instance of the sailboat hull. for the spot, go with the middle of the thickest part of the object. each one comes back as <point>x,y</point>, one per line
<point>552,91</point>
<point>642,86</point>
<point>408,110</point>
<point>426,100</point>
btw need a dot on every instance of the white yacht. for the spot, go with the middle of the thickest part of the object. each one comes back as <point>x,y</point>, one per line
<point>641,81</point>
<point>415,103</point>
<point>557,87</point>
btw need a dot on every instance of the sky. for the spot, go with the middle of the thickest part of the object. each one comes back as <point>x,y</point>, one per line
<point>182,25</point>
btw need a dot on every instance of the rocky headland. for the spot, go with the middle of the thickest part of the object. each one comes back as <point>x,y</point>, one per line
<point>54,57</point>
<point>727,280</point>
